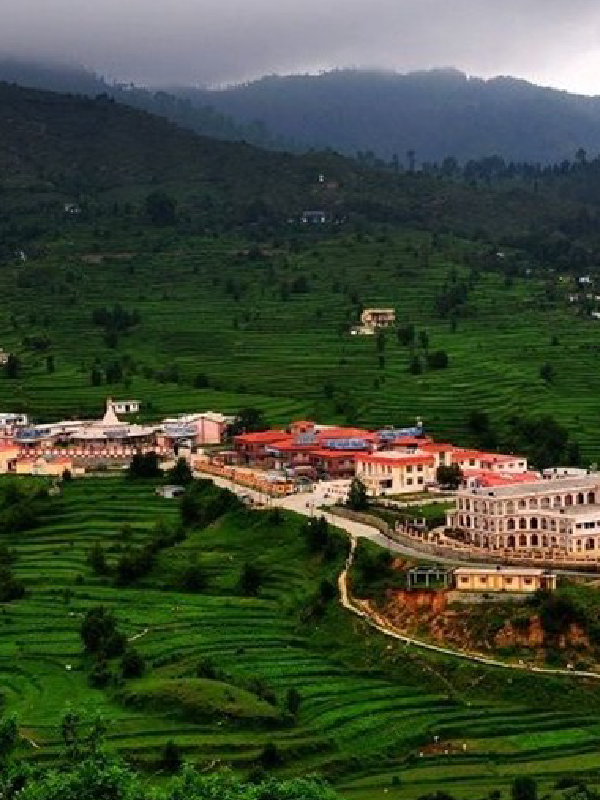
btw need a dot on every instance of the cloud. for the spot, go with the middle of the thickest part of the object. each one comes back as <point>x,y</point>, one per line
<point>216,41</point>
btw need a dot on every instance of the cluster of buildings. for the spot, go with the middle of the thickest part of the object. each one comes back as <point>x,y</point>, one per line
<point>80,445</point>
<point>389,461</point>
<point>502,508</point>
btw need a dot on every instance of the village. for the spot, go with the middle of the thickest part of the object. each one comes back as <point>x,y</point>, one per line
<point>498,510</point>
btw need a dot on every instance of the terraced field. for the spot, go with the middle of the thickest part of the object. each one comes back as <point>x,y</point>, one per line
<point>272,331</point>
<point>368,707</point>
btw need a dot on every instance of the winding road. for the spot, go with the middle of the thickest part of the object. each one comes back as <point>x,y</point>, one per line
<point>308,504</point>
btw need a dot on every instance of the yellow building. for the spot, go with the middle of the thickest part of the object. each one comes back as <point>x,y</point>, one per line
<point>503,579</point>
<point>394,472</point>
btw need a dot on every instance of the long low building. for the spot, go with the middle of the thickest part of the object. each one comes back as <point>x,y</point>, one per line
<point>549,515</point>
<point>503,579</point>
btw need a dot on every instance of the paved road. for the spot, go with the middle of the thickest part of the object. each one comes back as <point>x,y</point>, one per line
<point>309,504</point>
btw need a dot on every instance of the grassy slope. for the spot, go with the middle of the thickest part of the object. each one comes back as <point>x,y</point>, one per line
<point>368,706</point>
<point>289,357</point>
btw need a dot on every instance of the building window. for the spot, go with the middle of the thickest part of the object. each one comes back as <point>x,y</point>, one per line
<point>464,579</point>
<point>409,481</point>
<point>528,581</point>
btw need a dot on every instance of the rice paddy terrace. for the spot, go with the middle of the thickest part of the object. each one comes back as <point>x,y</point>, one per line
<point>368,706</point>
<point>270,328</point>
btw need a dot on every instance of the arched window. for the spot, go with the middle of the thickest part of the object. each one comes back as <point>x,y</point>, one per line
<point>522,503</point>
<point>544,524</point>
<point>568,500</point>
<point>544,540</point>
<point>580,499</point>
<point>468,521</point>
<point>591,497</point>
<point>510,524</point>
<point>511,542</point>
<point>510,507</point>
<point>522,540</point>
<point>534,540</point>
<point>590,544</point>
<point>523,524</point>
<point>557,502</point>
<point>533,523</point>
<point>545,502</point>
<point>533,503</point>
<point>467,505</point>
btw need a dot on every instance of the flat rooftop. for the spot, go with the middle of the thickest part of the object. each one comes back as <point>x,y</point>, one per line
<point>511,571</point>
<point>544,486</point>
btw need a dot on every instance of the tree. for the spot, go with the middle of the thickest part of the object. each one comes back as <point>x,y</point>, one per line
<point>9,733</point>
<point>406,335</point>
<point>450,476</point>
<point>10,587</point>
<point>133,664</point>
<point>524,788</point>
<point>12,368</point>
<point>193,578</point>
<point>248,420</point>
<point>181,474</point>
<point>97,560</point>
<point>144,465</point>
<point>424,339</point>
<point>357,496</point>
<point>437,360</point>
<point>415,367</point>
<point>201,381</point>
<point>99,633</point>
<point>547,372</point>
<point>271,756</point>
<point>161,209</point>
<point>172,759</point>
<point>250,580</point>
<point>292,700</point>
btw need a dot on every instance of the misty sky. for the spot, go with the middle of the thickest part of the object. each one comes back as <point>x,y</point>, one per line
<point>553,42</point>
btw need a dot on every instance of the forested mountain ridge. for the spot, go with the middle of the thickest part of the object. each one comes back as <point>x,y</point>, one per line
<point>63,148</point>
<point>419,117</point>
<point>434,114</point>
<point>200,118</point>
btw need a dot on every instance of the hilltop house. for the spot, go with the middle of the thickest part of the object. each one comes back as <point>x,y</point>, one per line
<point>372,319</point>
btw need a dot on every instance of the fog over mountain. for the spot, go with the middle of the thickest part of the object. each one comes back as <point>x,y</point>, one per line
<point>214,41</point>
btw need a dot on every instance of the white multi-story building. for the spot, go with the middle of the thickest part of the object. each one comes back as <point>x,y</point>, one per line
<point>561,515</point>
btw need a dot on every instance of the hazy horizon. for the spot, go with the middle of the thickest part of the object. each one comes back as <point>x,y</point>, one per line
<point>205,42</point>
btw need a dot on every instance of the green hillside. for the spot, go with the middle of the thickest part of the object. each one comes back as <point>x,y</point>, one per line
<point>220,663</point>
<point>221,327</point>
<point>227,300</point>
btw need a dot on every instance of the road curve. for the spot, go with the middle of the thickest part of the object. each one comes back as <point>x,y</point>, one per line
<point>304,504</point>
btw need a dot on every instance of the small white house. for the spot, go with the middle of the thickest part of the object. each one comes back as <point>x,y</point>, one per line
<point>126,406</point>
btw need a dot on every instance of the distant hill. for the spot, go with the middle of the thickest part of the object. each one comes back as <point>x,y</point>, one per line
<point>436,114</point>
<point>199,117</point>
<point>79,147</point>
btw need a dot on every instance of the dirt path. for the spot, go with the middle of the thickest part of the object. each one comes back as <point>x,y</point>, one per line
<point>375,621</point>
